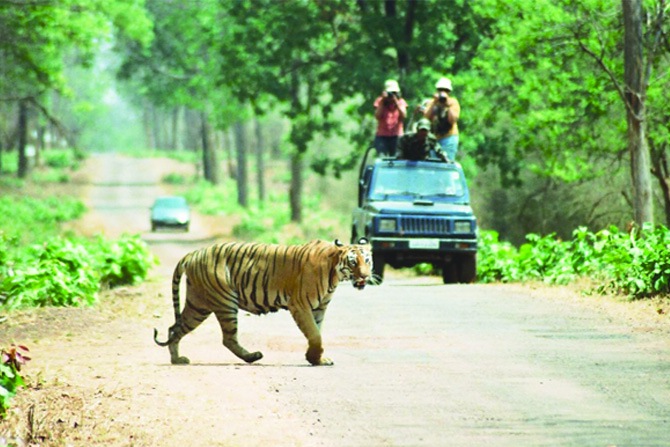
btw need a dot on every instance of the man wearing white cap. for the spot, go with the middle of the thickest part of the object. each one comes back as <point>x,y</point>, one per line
<point>443,112</point>
<point>390,111</point>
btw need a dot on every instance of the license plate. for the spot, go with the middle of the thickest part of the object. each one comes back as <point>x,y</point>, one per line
<point>424,243</point>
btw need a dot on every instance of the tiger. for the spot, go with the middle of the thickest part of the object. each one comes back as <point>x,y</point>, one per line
<point>261,278</point>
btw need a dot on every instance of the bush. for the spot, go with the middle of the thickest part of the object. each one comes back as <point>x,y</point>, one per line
<point>60,159</point>
<point>11,360</point>
<point>68,272</point>
<point>56,273</point>
<point>496,260</point>
<point>27,219</point>
<point>126,261</point>
<point>636,264</point>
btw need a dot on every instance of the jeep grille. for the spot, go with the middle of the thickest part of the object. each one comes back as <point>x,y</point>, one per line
<point>424,225</point>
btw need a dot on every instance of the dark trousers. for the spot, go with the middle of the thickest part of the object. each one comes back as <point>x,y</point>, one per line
<point>386,146</point>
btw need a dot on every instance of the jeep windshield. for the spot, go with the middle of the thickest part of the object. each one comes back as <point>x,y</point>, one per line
<point>400,183</point>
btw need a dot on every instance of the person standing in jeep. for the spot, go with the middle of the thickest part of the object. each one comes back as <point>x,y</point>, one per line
<point>443,111</point>
<point>420,145</point>
<point>390,112</point>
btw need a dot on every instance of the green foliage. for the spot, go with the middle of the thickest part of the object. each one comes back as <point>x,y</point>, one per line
<point>496,260</point>
<point>267,223</point>
<point>174,179</point>
<point>62,159</point>
<point>38,35</point>
<point>69,272</point>
<point>11,361</point>
<point>55,273</point>
<point>561,98</point>
<point>125,261</point>
<point>271,224</point>
<point>214,200</point>
<point>635,264</point>
<point>23,218</point>
<point>40,267</point>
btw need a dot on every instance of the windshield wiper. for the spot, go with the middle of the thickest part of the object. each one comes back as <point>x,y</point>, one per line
<point>440,194</point>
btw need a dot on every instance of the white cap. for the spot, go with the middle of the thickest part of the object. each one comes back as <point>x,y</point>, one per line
<point>391,86</point>
<point>443,83</point>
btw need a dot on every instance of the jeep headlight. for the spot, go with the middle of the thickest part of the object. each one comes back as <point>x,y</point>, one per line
<point>462,226</point>
<point>387,225</point>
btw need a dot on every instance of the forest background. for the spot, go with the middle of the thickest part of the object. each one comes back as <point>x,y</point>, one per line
<point>565,121</point>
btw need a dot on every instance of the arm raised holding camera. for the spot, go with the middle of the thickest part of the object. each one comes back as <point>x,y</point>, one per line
<point>389,98</point>
<point>442,101</point>
<point>443,111</point>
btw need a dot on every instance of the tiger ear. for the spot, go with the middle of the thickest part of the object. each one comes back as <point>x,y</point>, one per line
<point>338,243</point>
<point>363,241</point>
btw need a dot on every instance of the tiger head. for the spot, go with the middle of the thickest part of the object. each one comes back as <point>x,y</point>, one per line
<point>355,262</point>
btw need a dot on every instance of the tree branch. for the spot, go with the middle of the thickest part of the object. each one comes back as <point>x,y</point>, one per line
<point>600,61</point>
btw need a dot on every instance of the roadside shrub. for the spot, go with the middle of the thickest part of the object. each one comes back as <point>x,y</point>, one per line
<point>70,272</point>
<point>55,273</point>
<point>639,264</point>
<point>60,159</point>
<point>125,261</point>
<point>545,258</point>
<point>636,264</point>
<point>11,361</point>
<point>175,179</point>
<point>496,260</point>
<point>214,200</point>
<point>27,219</point>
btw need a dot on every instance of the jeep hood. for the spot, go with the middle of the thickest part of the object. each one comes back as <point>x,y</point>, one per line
<point>419,207</point>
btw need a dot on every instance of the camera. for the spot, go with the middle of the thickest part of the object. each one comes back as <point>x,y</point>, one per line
<point>442,97</point>
<point>389,94</point>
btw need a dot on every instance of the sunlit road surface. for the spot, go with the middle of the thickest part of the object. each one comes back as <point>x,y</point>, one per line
<point>417,363</point>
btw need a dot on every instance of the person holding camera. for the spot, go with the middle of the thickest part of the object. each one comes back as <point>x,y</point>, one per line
<point>390,112</point>
<point>443,112</point>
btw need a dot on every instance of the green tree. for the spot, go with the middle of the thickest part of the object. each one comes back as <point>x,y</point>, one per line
<point>308,57</point>
<point>549,94</point>
<point>37,37</point>
<point>178,69</point>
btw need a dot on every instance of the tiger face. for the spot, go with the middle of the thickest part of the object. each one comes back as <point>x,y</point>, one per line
<point>356,263</point>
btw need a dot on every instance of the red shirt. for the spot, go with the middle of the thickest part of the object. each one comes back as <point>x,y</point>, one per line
<point>390,124</point>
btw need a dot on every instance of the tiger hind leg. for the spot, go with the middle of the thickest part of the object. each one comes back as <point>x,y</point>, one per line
<point>228,322</point>
<point>191,318</point>
<point>173,347</point>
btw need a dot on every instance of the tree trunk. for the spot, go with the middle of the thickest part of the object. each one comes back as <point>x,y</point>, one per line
<point>241,146</point>
<point>260,166</point>
<point>209,161</point>
<point>661,170</point>
<point>635,96</point>
<point>146,123</point>
<point>23,139</point>
<point>191,132</point>
<point>295,191</point>
<point>300,142</point>
<point>229,148</point>
<point>39,145</point>
<point>174,133</point>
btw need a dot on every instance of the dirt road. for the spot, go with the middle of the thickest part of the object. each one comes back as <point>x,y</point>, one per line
<point>417,363</point>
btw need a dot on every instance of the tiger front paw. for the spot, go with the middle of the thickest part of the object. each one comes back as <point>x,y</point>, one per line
<point>313,356</point>
<point>252,357</point>
<point>325,362</point>
<point>180,361</point>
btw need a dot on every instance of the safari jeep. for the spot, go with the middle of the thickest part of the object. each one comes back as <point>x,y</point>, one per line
<point>414,212</point>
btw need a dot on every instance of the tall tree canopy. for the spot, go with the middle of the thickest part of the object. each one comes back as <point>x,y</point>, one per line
<point>543,84</point>
<point>38,39</point>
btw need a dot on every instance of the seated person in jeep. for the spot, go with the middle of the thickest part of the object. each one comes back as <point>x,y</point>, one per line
<point>420,145</point>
